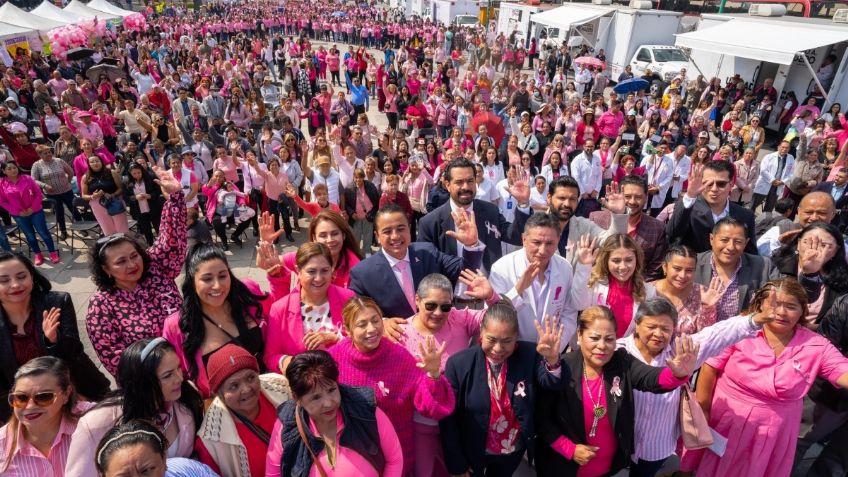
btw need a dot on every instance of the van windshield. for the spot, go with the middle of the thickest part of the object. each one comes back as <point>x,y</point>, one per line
<point>665,55</point>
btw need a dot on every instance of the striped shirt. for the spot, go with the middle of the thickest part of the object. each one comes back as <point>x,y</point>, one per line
<point>657,426</point>
<point>28,461</point>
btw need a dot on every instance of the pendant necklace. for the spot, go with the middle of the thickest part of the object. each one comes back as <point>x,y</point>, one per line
<point>598,411</point>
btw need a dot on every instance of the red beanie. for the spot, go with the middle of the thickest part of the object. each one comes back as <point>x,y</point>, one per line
<point>226,361</point>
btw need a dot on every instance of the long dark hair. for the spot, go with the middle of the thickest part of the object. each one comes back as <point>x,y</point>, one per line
<point>834,272</point>
<point>139,392</point>
<point>40,284</point>
<point>244,304</point>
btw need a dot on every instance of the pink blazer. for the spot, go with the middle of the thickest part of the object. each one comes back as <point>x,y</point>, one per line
<point>285,324</point>
<point>171,332</point>
<point>284,283</point>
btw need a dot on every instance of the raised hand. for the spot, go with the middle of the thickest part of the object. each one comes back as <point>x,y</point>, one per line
<point>550,335</point>
<point>167,182</point>
<point>710,295</point>
<point>291,192</point>
<point>266,257</point>
<point>430,356</point>
<point>520,188</point>
<point>477,283</point>
<point>527,277</point>
<point>685,356</point>
<point>587,249</point>
<point>50,324</point>
<point>266,228</point>
<point>466,228</point>
<point>767,314</point>
<point>615,199</point>
<point>813,252</point>
<point>696,178</point>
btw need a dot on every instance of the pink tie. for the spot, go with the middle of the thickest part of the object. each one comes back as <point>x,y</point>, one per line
<point>406,282</point>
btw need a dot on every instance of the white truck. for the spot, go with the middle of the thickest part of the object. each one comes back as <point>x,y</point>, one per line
<point>666,61</point>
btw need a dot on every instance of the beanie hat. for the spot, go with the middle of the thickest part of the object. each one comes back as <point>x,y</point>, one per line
<point>226,361</point>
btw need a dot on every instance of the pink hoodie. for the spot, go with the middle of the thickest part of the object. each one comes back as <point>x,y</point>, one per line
<point>20,195</point>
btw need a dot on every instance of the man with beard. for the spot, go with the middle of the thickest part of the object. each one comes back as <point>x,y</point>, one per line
<point>648,232</point>
<point>563,196</point>
<point>492,227</point>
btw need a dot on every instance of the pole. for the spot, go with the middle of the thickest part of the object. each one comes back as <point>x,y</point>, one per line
<point>721,6</point>
<point>815,78</point>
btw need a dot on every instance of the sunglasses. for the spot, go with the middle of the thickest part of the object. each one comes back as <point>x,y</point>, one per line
<point>42,399</point>
<point>720,184</point>
<point>444,307</point>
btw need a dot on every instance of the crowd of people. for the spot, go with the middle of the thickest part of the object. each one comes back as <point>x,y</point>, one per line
<point>525,265</point>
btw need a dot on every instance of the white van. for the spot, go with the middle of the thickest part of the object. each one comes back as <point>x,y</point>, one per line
<point>665,60</point>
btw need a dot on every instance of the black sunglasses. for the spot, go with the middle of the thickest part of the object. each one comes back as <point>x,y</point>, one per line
<point>444,307</point>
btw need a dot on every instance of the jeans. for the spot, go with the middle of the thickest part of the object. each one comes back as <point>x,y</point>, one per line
<point>363,232</point>
<point>4,241</point>
<point>29,225</point>
<point>61,201</point>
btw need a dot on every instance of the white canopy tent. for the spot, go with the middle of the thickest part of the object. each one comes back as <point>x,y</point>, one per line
<point>7,30</point>
<point>15,16</point>
<point>78,8</point>
<point>568,16</point>
<point>760,40</point>
<point>52,12</point>
<point>104,6</point>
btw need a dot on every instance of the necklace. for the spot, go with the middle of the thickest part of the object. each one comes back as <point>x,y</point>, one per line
<point>598,411</point>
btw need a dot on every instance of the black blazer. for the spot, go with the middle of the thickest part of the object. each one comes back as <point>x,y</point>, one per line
<point>492,228</point>
<point>561,412</point>
<point>156,200</point>
<point>373,277</point>
<point>351,196</point>
<point>87,379</point>
<point>464,432</point>
<point>693,226</point>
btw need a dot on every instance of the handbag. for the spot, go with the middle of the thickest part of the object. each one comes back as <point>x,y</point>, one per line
<point>306,443</point>
<point>693,423</point>
<point>113,206</point>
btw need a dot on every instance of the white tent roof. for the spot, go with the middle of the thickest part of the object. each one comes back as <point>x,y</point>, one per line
<point>107,7</point>
<point>15,16</point>
<point>52,12</point>
<point>7,29</point>
<point>758,40</point>
<point>568,16</point>
<point>78,8</point>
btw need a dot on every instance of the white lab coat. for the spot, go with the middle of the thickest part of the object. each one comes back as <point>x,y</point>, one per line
<point>659,174</point>
<point>680,169</point>
<point>587,172</point>
<point>568,293</point>
<point>768,171</point>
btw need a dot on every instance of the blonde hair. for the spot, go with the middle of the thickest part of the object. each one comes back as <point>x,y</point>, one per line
<point>601,273</point>
<point>592,314</point>
<point>354,307</point>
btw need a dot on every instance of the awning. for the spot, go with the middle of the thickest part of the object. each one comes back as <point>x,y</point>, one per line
<point>568,16</point>
<point>7,30</point>
<point>78,8</point>
<point>52,12</point>
<point>15,16</point>
<point>763,41</point>
<point>107,7</point>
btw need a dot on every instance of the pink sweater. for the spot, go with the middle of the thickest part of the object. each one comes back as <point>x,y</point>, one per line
<point>20,195</point>
<point>285,324</point>
<point>171,332</point>
<point>400,386</point>
<point>348,462</point>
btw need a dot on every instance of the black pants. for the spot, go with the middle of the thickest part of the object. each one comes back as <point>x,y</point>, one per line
<point>61,201</point>
<point>277,209</point>
<point>334,78</point>
<point>646,468</point>
<point>393,120</point>
<point>769,200</point>
<point>221,227</point>
<point>833,460</point>
<point>145,226</point>
<point>359,109</point>
<point>500,465</point>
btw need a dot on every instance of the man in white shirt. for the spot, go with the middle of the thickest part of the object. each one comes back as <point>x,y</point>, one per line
<point>539,282</point>
<point>347,164</point>
<point>269,91</point>
<point>586,169</point>
<point>659,170</point>
<point>681,165</point>
<point>775,171</point>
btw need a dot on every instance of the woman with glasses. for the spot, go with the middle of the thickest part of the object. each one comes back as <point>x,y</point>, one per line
<point>34,322</point>
<point>21,197</point>
<point>753,134</point>
<point>135,283</point>
<point>36,438</point>
<point>151,387</point>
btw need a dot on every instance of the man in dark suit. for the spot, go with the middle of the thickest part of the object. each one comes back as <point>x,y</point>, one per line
<point>837,189</point>
<point>705,203</point>
<point>650,232</point>
<point>492,227</point>
<point>391,276</point>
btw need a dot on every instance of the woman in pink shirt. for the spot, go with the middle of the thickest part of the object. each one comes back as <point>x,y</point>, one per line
<point>36,439</point>
<point>321,410</point>
<point>21,197</point>
<point>575,424</point>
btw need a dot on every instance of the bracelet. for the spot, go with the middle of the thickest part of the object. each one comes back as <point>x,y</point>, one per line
<point>754,326</point>
<point>554,367</point>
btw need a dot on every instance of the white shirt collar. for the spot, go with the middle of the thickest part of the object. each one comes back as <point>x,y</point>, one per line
<point>393,261</point>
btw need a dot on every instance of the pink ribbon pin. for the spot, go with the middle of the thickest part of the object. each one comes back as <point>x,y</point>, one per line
<point>383,389</point>
<point>519,389</point>
<point>616,388</point>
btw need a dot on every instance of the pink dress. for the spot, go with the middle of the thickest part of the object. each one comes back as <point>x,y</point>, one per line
<point>758,402</point>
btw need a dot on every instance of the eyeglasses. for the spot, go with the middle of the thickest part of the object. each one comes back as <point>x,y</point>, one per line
<point>443,307</point>
<point>42,399</point>
<point>719,184</point>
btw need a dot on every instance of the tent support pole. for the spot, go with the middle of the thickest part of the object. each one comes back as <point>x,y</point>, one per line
<point>815,78</point>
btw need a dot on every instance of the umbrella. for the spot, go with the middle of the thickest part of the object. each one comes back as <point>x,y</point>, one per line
<point>338,14</point>
<point>112,72</point>
<point>79,53</point>
<point>590,61</point>
<point>631,85</point>
<point>493,122</point>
